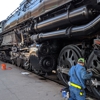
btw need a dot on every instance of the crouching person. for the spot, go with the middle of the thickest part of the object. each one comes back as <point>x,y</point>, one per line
<point>78,75</point>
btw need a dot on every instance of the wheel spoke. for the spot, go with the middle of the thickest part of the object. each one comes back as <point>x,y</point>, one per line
<point>67,58</point>
<point>72,56</point>
<point>68,53</point>
<point>94,63</point>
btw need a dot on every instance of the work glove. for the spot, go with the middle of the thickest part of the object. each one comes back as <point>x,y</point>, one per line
<point>89,70</point>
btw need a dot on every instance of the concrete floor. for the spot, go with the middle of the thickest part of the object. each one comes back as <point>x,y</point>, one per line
<point>15,86</point>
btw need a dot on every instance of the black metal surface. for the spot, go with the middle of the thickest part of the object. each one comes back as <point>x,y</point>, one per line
<point>44,49</point>
<point>87,29</point>
<point>97,52</point>
<point>34,60</point>
<point>69,18</point>
<point>52,35</point>
<point>72,32</point>
<point>47,63</point>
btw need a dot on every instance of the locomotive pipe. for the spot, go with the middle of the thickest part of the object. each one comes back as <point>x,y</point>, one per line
<point>82,14</point>
<point>50,35</point>
<point>87,29</point>
<point>56,34</point>
<point>71,32</point>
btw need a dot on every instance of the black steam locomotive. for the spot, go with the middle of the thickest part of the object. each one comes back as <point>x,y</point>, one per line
<point>47,35</point>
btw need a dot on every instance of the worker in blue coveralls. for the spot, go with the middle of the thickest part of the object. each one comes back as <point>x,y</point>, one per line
<point>78,75</point>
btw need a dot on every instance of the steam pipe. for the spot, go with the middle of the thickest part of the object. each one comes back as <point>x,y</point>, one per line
<point>71,32</point>
<point>56,34</point>
<point>50,35</point>
<point>87,29</point>
<point>82,14</point>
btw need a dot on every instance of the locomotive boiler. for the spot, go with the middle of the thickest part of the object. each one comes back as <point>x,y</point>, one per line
<point>47,35</point>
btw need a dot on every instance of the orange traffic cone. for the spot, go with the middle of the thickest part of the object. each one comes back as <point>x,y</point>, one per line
<point>3,66</point>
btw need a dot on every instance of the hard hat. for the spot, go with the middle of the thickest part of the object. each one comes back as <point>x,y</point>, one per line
<point>81,60</point>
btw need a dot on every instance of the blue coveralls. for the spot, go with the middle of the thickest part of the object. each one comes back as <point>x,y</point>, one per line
<point>82,75</point>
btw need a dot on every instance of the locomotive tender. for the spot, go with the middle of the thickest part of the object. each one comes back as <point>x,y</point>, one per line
<point>47,35</point>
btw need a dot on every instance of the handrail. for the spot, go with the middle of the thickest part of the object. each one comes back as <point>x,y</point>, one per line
<point>14,11</point>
